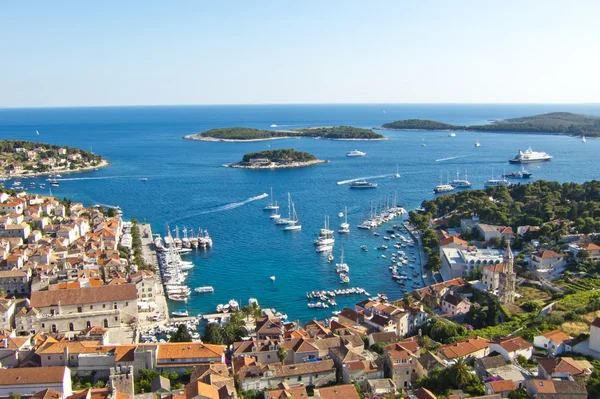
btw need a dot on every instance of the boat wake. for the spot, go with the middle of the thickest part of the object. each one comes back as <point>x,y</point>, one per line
<point>365,178</point>
<point>235,204</point>
<point>448,159</point>
<point>99,178</point>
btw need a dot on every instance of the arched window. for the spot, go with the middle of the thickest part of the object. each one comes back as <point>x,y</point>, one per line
<point>88,324</point>
<point>71,327</point>
<point>105,323</point>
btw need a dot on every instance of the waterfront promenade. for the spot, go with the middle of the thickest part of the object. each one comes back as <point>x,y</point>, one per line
<point>149,255</point>
<point>430,277</point>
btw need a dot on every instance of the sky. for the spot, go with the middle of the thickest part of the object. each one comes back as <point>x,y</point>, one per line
<point>102,53</point>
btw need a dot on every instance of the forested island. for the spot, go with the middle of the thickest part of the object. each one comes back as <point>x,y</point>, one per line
<point>250,134</point>
<point>272,159</point>
<point>553,123</point>
<point>26,158</point>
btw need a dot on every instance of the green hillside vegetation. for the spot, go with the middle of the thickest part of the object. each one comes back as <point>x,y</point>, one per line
<point>246,133</point>
<point>541,203</point>
<point>553,122</point>
<point>280,156</point>
<point>240,133</point>
<point>340,132</point>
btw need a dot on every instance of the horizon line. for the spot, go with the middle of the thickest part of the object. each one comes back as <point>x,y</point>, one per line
<point>285,104</point>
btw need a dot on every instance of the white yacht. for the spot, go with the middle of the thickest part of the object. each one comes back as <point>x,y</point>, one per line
<point>356,153</point>
<point>497,182</point>
<point>529,156</point>
<point>325,236</point>
<point>477,144</point>
<point>272,205</point>
<point>275,215</point>
<point>460,183</point>
<point>204,289</point>
<point>344,227</point>
<point>295,221</point>
<point>342,267</point>
<point>451,134</point>
<point>288,220</point>
<point>443,188</point>
<point>272,278</point>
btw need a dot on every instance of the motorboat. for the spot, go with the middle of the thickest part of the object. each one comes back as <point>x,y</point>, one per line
<point>273,204</point>
<point>272,278</point>
<point>204,289</point>
<point>180,313</point>
<point>477,144</point>
<point>356,153</point>
<point>324,248</point>
<point>330,258</point>
<point>529,156</point>
<point>362,184</point>
<point>451,134</point>
<point>522,174</point>
<point>144,179</point>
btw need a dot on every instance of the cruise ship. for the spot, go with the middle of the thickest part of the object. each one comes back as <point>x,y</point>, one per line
<point>356,153</point>
<point>363,184</point>
<point>529,156</point>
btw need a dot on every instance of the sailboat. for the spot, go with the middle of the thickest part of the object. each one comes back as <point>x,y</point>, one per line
<point>583,140</point>
<point>342,267</point>
<point>288,220</point>
<point>271,206</point>
<point>275,215</point>
<point>344,227</point>
<point>397,172</point>
<point>325,237</point>
<point>295,221</point>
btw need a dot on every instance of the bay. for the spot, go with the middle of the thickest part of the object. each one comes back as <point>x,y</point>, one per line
<point>188,186</point>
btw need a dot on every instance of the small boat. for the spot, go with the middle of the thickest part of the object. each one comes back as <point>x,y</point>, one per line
<point>54,184</point>
<point>362,184</point>
<point>382,247</point>
<point>341,214</point>
<point>330,258</point>
<point>275,215</point>
<point>356,153</point>
<point>273,125</point>
<point>344,227</point>
<point>180,313</point>
<point>272,278</point>
<point>344,278</point>
<point>477,144</point>
<point>204,289</point>
<point>522,174</point>
<point>364,248</point>
<point>144,179</point>
<point>451,134</point>
<point>583,140</point>
<point>376,234</point>
<point>272,205</point>
<point>397,172</point>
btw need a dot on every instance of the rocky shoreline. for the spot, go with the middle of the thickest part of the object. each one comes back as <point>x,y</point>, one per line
<point>197,138</point>
<point>104,163</point>
<point>275,165</point>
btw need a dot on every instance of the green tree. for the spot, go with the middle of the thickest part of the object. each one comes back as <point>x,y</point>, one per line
<point>519,394</point>
<point>459,373</point>
<point>212,334</point>
<point>14,396</point>
<point>182,334</point>
<point>434,263</point>
<point>282,354</point>
<point>494,242</point>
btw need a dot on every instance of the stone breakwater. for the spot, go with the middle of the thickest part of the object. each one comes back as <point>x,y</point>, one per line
<point>275,165</point>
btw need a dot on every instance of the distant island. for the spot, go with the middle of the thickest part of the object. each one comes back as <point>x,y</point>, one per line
<point>274,159</point>
<point>249,134</point>
<point>26,158</point>
<point>553,122</point>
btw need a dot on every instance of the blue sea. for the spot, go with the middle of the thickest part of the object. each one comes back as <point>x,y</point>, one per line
<point>188,185</point>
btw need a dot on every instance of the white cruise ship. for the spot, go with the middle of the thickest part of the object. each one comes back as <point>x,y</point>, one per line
<point>529,156</point>
<point>356,153</point>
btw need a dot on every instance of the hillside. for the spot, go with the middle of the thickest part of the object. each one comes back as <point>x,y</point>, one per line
<point>553,122</point>
<point>248,134</point>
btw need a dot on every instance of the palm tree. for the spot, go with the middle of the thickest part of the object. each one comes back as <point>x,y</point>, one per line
<point>459,373</point>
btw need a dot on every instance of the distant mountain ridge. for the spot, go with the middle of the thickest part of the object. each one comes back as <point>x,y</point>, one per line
<point>552,122</point>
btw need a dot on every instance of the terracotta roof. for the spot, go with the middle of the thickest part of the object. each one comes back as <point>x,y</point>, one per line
<point>189,350</point>
<point>47,394</point>
<point>33,375</point>
<point>346,391</point>
<point>384,337</point>
<point>122,353</point>
<point>424,393</point>
<point>547,254</point>
<point>562,365</point>
<point>453,240</point>
<point>300,345</point>
<point>496,268</point>
<point>288,392</point>
<point>79,296</point>
<point>503,386</point>
<point>556,336</point>
<point>349,314</point>
<point>513,344</point>
<point>464,347</point>
<point>556,386</point>
<point>590,246</point>
<point>197,388</point>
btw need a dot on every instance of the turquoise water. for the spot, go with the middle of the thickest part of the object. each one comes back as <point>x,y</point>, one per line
<point>188,186</point>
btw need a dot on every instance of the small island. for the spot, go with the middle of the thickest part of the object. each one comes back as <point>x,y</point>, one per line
<point>25,158</point>
<point>277,159</point>
<point>552,123</point>
<point>234,134</point>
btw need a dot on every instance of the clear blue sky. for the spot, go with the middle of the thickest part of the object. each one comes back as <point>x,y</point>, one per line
<point>80,53</point>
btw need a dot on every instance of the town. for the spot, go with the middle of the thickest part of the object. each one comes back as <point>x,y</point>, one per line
<point>80,286</point>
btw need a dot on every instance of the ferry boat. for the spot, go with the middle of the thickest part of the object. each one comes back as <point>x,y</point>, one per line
<point>529,156</point>
<point>356,153</point>
<point>522,174</point>
<point>362,184</point>
<point>180,313</point>
<point>460,183</point>
<point>204,289</point>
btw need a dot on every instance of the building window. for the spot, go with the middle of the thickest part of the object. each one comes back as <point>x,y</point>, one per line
<point>299,378</point>
<point>88,324</point>
<point>117,318</point>
<point>103,306</point>
<point>105,323</point>
<point>53,328</point>
<point>91,307</point>
<point>79,309</point>
<point>71,327</point>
